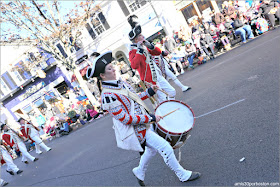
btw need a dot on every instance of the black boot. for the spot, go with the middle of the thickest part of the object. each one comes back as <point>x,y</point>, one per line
<point>11,172</point>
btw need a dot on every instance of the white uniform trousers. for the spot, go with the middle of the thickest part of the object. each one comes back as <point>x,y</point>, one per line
<point>24,152</point>
<point>2,182</point>
<point>170,74</point>
<point>154,144</point>
<point>34,134</point>
<point>163,84</point>
<point>9,161</point>
<point>39,143</point>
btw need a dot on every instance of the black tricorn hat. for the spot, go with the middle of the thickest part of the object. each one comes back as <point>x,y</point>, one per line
<point>20,119</point>
<point>2,126</point>
<point>99,64</point>
<point>136,28</point>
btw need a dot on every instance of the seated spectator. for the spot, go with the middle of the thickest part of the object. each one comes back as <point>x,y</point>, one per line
<point>270,10</point>
<point>223,37</point>
<point>190,53</point>
<point>240,6</point>
<point>73,117</point>
<point>175,59</point>
<point>206,41</point>
<point>65,129</point>
<point>228,23</point>
<point>218,18</point>
<point>228,10</point>
<point>242,29</point>
<point>91,113</point>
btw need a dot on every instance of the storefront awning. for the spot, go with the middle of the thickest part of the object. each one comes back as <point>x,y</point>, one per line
<point>83,73</point>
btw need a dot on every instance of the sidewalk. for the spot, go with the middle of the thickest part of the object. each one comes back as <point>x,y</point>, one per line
<point>75,126</point>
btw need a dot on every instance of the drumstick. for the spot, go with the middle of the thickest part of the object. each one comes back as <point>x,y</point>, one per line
<point>163,91</point>
<point>158,89</point>
<point>170,112</point>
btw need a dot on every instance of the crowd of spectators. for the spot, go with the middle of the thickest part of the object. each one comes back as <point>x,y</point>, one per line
<point>58,115</point>
<point>203,38</point>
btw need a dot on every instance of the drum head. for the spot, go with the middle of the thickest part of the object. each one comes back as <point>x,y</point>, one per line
<point>178,122</point>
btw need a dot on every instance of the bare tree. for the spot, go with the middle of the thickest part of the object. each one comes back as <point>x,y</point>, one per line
<point>44,22</point>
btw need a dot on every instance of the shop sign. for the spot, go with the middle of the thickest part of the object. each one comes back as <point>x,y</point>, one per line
<point>32,89</point>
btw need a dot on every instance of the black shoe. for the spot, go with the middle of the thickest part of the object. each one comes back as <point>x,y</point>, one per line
<point>35,159</point>
<point>271,28</point>
<point>5,183</point>
<point>12,173</point>
<point>19,171</point>
<point>194,176</point>
<point>25,162</point>
<point>140,182</point>
<point>49,150</point>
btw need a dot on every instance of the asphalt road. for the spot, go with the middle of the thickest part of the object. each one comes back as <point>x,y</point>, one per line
<point>236,102</point>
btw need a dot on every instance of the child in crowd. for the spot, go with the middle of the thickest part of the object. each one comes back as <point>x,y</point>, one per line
<point>91,113</point>
<point>223,36</point>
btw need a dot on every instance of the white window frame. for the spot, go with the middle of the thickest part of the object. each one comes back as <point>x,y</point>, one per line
<point>134,3</point>
<point>16,76</point>
<point>99,29</point>
<point>4,87</point>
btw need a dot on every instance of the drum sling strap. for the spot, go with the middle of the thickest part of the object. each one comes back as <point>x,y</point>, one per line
<point>128,94</point>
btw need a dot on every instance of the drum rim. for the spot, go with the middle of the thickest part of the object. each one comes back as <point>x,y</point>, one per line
<point>174,133</point>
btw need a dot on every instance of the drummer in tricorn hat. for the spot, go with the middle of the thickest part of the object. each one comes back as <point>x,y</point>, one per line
<point>132,119</point>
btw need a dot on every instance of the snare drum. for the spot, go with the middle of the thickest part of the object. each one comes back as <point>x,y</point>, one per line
<point>176,126</point>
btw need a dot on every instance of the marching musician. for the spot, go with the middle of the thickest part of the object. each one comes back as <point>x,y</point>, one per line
<point>8,159</point>
<point>142,56</point>
<point>15,141</point>
<point>130,113</point>
<point>31,132</point>
<point>163,65</point>
<point>3,183</point>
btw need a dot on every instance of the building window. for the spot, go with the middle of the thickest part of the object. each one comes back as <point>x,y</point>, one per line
<point>4,87</point>
<point>98,25</point>
<point>90,31</point>
<point>76,47</point>
<point>204,5</point>
<point>189,12</point>
<point>27,109</point>
<point>18,76</point>
<point>61,50</point>
<point>135,4</point>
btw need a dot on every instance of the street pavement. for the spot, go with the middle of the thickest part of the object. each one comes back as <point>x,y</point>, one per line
<point>235,98</point>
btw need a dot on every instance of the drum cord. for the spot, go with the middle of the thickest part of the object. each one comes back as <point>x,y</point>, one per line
<point>83,173</point>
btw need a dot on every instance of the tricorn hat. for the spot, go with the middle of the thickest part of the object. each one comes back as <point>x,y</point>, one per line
<point>136,28</point>
<point>2,126</point>
<point>20,119</point>
<point>99,64</point>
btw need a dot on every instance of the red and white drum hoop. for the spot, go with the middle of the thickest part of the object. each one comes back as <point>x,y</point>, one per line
<point>175,127</point>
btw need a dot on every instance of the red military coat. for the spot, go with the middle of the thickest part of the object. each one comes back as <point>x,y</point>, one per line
<point>26,133</point>
<point>138,62</point>
<point>6,138</point>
